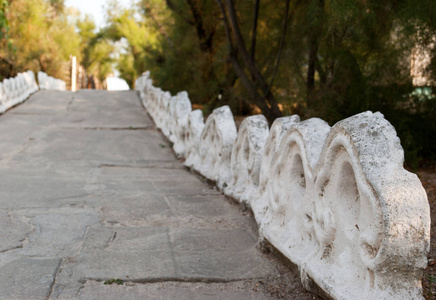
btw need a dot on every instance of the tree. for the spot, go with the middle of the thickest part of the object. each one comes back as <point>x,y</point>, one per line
<point>255,83</point>
<point>41,37</point>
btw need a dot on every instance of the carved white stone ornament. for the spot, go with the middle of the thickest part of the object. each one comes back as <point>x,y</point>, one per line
<point>193,132</point>
<point>246,158</point>
<point>15,90</point>
<point>336,201</point>
<point>50,83</point>
<point>215,147</point>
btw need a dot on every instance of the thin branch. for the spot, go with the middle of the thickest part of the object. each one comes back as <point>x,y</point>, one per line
<point>282,42</point>
<point>242,48</point>
<point>254,31</point>
<point>206,39</point>
<point>226,25</point>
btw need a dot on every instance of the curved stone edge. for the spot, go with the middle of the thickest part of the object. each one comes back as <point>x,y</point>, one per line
<point>215,146</point>
<point>193,132</point>
<point>245,160</point>
<point>16,89</point>
<point>50,83</point>
<point>331,168</point>
<point>393,240</point>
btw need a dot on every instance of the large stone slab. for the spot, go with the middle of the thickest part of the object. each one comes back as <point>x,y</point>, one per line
<point>159,254</point>
<point>28,278</point>
<point>171,290</point>
<point>141,254</point>
<point>13,232</point>
<point>21,188</point>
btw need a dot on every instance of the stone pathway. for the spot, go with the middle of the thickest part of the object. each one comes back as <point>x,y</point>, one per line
<point>90,192</point>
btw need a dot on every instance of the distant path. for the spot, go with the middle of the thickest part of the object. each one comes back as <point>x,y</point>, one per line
<point>90,191</point>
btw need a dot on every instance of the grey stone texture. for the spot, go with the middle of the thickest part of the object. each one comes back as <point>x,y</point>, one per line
<point>91,191</point>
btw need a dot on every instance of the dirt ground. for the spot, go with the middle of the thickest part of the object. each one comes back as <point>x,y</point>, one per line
<point>428,179</point>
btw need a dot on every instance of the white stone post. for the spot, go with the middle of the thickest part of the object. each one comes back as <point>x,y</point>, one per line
<point>73,74</point>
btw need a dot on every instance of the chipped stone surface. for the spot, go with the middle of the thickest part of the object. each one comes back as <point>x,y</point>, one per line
<point>180,114</point>
<point>50,83</point>
<point>335,201</point>
<point>215,148</point>
<point>15,90</point>
<point>192,137</point>
<point>335,204</point>
<point>246,158</point>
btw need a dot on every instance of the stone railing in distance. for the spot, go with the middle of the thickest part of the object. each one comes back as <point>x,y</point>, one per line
<point>50,83</point>
<point>336,201</point>
<point>16,89</point>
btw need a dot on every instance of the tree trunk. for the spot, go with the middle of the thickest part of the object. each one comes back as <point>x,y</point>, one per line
<point>265,101</point>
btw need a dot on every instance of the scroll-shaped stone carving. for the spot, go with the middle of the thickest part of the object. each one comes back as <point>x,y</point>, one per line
<point>3,97</point>
<point>29,78</point>
<point>50,83</point>
<point>20,88</point>
<point>193,131</point>
<point>216,142</point>
<point>13,88</point>
<point>142,85</point>
<point>182,108</point>
<point>168,116</point>
<point>151,102</point>
<point>7,86</point>
<point>335,201</point>
<point>278,129</point>
<point>349,216</point>
<point>163,102</point>
<point>284,189</point>
<point>16,89</point>
<point>42,80</point>
<point>246,158</point>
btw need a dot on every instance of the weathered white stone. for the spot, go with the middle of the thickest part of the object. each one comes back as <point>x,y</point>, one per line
<point>193,131</point>
<point>163,102</point>
<point>335,201</point>
<point>50,83</point>
<point>348,215</point>
<point>3,97</point>
<point>16,89</point>
<point>168,116</point>
<point>216,142</point>
<point>42,80</point>
<point>29,78</point>
<point>7,86</point>
<point>246,158</point>
<point>182,108</point>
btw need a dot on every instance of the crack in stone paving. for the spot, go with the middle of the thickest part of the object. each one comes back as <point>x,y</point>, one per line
<point>71,102</point>
<point>54,279</point>
<point>172,279</point>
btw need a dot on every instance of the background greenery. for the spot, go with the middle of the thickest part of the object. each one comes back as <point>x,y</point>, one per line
<point>318,58</point>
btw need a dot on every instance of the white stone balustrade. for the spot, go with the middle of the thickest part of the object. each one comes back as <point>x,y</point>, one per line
<point>50,83</point>
<point>336,201</point>
<point>16,89</point>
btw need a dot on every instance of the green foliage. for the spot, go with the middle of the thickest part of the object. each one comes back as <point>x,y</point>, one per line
<point>41,37</point>
<point>4,24</point>
<point>358,54</point>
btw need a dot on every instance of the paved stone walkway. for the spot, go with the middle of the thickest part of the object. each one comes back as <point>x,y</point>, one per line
<point>90,191</point>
